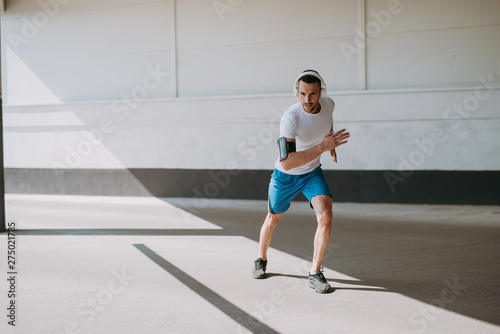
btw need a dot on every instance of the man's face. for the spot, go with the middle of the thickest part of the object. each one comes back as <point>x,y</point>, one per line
<point>309,95</point>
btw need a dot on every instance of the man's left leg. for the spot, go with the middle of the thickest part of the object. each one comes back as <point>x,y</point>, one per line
<point>322,205</point>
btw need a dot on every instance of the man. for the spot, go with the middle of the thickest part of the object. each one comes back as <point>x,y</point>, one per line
<point>306,131</point>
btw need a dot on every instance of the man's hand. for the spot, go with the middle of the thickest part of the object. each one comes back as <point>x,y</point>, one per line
<point>336,138</point>
<point>333,140</point>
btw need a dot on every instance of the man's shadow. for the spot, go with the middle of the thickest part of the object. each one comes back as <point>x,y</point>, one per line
<point>330,280</point>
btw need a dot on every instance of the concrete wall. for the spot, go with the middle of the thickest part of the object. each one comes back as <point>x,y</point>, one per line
<point>218,133</point>
<point>200,84</point>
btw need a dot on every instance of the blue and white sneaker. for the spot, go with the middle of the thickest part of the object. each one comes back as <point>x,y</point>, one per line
<point>260,268</point>
<point>318,282</point>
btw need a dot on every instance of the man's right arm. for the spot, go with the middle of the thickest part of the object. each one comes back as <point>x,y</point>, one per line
<point>331,141</point>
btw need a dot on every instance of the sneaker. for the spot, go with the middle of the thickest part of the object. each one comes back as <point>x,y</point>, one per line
<point>260,269</point>
<point>318,282</point>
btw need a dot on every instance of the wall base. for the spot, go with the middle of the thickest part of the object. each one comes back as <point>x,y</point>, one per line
<point>418,187</point>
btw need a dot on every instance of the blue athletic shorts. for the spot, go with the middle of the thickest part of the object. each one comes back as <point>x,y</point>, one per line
<point>284,187</point>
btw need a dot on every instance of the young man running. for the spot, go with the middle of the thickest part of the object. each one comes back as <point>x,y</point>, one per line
<point>306,131</point>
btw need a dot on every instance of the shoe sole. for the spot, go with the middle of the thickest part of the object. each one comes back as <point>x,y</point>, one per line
<point>320,291</point>
<point>259,276</point>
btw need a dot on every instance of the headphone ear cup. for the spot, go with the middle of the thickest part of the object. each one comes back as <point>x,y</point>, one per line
<point>323,92</point>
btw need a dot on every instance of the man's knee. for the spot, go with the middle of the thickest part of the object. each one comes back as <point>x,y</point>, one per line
<point>272,220</point>
<point>323,208</point>
<point>325,218</point>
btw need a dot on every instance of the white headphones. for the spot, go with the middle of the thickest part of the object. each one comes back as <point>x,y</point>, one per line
<point>313,73</point>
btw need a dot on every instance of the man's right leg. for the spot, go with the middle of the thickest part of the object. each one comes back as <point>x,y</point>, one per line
<point>266,234</point>
<point>282,189</point>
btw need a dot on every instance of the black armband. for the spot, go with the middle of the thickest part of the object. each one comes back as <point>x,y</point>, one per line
<point>285,148</point>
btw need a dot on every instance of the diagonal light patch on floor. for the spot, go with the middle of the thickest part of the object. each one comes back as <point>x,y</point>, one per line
<point>99,212</point>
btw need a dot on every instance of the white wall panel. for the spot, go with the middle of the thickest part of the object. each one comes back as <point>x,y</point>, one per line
<point>419,145</point>
<point>423,15</point>
<point>112,31</point>
<point>418,106</point>
<point>262,21</point>
<point>445,58</point>
<point>260,46</point>
<point>25,8</point>
<point>95,78</point>
<point>242,133</point>
<point>262,69</point>
<point>417,44</point>
<point>85,55</point>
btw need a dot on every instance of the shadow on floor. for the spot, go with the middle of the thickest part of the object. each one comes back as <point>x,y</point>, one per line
<point>453,266</point>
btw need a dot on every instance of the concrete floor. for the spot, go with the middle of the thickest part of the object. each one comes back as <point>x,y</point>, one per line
<point>149,265</point>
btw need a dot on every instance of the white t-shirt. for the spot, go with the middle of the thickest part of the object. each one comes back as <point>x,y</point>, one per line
<point>307,129</point>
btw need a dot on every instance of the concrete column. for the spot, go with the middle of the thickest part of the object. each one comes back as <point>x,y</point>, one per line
<point>3,223</point>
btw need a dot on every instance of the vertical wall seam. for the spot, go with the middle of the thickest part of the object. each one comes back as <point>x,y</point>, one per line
<point>362,42</point>
<point>174,47</point>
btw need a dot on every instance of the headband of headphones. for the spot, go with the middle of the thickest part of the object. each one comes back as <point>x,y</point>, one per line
<point>314,74</point>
